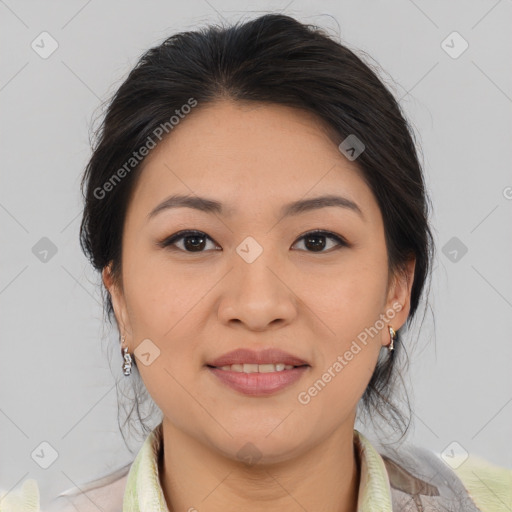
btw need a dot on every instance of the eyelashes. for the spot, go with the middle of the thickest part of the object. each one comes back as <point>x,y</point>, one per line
<point>197,240</point>
<point>170,242</point>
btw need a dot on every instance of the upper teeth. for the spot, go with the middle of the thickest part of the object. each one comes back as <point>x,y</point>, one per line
<point>257,368</point>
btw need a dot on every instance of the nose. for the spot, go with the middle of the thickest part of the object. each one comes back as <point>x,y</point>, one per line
<point>258,295</point>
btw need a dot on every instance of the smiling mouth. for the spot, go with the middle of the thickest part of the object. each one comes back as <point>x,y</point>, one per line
<point>257,368</point>
<point>258,380</point>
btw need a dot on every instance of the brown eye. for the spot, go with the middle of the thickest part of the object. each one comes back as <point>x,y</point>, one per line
<point>193,241</point>
<point>315,241</point>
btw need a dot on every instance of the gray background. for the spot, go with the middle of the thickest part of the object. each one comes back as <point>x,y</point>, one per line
<point>56,384</point>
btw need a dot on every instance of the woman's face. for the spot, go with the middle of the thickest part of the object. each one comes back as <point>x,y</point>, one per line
<point>252,280</point>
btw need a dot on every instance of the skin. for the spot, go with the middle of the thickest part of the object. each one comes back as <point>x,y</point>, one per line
<point>196,306</point>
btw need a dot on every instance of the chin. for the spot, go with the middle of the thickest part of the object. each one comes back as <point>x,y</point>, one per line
<point>255,448</point>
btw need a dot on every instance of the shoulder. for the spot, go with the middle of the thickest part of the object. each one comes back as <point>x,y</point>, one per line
<point>471,483</point>
<point>105,494</point>
<point>489,485</point>
<point>25,499</point>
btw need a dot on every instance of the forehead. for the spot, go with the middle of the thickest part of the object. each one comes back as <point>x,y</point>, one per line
<point>252,131</point>
<point>243,153</point>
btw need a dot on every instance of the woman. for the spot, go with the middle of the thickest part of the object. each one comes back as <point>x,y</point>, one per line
<point>257,210</point>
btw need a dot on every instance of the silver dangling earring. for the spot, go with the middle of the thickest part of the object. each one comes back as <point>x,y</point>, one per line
<point>392,335</point>
<point>127,364</point>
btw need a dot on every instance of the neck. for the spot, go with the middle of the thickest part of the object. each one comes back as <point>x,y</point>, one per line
<point>325,478</point>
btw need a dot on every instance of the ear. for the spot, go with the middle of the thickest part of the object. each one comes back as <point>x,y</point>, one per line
<point>118,302</point>
<point>399,299</point>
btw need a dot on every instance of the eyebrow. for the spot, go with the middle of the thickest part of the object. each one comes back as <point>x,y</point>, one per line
<point>296,207</point>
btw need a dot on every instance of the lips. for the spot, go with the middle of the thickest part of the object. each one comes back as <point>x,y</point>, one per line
<point>259,384</point>
<point>246,356</point>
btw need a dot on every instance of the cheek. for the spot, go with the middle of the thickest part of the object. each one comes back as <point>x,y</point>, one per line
<point>347,297</point>
<point>348,302</point>
<point>160,307</point>
<point>333,392</point>
<point>157,296</point>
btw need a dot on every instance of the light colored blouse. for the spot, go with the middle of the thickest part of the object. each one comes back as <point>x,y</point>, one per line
<point>408,479</point>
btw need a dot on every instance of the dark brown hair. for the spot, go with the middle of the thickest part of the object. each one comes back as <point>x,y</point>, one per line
<point>273,59</point>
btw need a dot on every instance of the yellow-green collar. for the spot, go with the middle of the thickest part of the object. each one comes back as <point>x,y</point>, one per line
<point>143,491</point>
